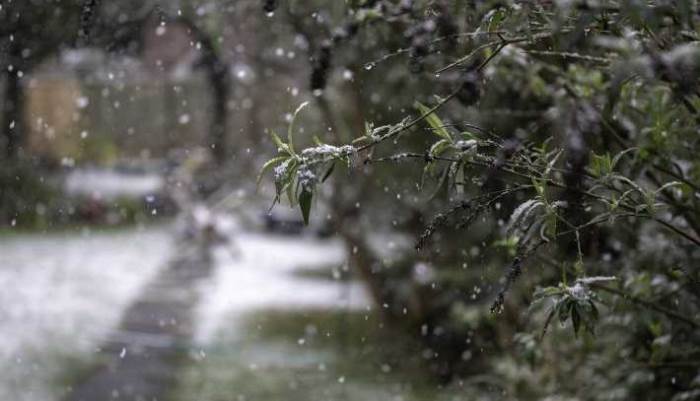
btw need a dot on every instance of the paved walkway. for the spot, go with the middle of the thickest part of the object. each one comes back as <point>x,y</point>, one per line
<point>139,360</point>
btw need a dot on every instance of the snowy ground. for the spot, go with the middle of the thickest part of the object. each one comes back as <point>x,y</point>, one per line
<point>268,333</point>
<point>61,294</point>
<point>262,277</point>
<point>110,184</point>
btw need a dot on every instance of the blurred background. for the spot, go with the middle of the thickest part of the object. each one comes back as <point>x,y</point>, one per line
<point>140,259</point>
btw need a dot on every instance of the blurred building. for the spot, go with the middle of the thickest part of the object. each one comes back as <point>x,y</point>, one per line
<point>88,106</point>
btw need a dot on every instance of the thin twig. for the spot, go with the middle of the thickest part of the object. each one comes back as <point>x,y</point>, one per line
<point>503,42</point>
<point>650,305</point>
<point>577,56</point>
<point>412,123</point>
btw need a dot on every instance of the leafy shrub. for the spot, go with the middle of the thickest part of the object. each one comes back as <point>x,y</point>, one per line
<point>574,122</point>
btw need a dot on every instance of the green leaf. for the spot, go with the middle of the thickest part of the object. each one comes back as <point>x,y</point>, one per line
<point>602,164</point>
<point>551,163</point>
<point>618,156</point>
<point>290,130</point>
<point>497,17</point>
<point>539,186</point>
<point>575,319</point>
<point>468,135</point>
<point>361,139</point>
<point>439,147</point>
<point>281,146</point>
<point>668,185</point>
<point>564,307</point>
<point>433,121</point>
<point>547,291</point>
<point>305,204</point>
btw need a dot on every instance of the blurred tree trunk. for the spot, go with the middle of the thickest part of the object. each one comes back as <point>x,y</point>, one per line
<point>218,78</point>
<point>13,109</point>
<point>217,75</point>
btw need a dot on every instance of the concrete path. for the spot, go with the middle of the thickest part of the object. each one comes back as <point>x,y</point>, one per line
<point>139,360</point>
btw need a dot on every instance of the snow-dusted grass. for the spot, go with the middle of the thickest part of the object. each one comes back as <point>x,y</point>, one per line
<point>263,277</point>
<point>311,355</point>
<point>60,294</point>
<point>268,333</point>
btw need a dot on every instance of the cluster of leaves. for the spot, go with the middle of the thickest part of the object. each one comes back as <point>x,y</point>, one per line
<point>576,303</point>
<point>298,174</point>
<point>576,130</point>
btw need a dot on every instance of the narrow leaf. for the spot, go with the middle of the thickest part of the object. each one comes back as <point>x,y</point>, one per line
<point>433,121</point>
<point>305,204</point>
<point>278,141</point>
<point>290,130</point>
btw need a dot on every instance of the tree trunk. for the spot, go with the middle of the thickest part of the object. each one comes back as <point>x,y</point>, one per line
<point>217,75</point>
<point>218,79</point>
<point>13,114</point>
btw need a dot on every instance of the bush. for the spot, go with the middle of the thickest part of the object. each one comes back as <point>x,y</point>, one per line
<point>552,145</point>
